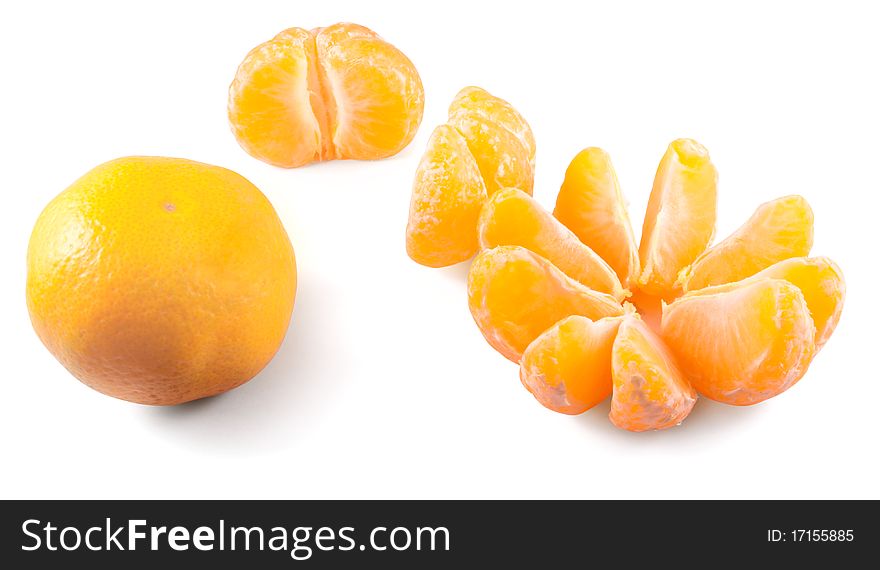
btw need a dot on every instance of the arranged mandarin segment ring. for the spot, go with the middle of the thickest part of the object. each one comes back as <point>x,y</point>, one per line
<point>587,315</point>
<point>160,280</point>
<point>340,92</point>
<point>485,146</point>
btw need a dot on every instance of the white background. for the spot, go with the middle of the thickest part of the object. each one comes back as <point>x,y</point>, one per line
<point>384,386</point>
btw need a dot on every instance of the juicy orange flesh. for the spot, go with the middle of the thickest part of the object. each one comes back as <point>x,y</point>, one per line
<point>778,230</point>
<point>591,205</point>
<point>649,390</point>
<point>512,217</point>
<point>514,295</point>
<point>568,367</point>
<point>447,195</point>
<point>335,92</point>
<point>680,220</point>
<point>741,343</point>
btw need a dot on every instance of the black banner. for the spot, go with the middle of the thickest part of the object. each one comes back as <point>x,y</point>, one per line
<point>441,534</point>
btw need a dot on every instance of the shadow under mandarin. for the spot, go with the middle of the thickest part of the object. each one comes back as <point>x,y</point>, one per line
<point>457,272</point>
<point>284,401</point>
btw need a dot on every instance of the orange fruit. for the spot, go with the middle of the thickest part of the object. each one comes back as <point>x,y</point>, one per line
<point>514,295</point>
<point>649,390</point>
<point>568,367</point>
<point>591,205</point>
<point>778,230</point>
<point>512,217</point>
<point>485,146</point>
<point>447,195</point>
<point>680,220</point>
<point>160,280</point>
<point>743,342</point>
<point>335,92</point>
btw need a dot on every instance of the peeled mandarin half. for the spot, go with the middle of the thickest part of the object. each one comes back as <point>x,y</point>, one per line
<point>591,205</point>
<point>680,220</point>
<point>741,343</point>
<point>514,295</point>
<point>821,282</point>
<point>447,195</point>
<point>334,92</point>
<point>512,217</point>
<point>649,390</point>
<point>568,368</point>
<point>499,138</point>
<point>778,230</point>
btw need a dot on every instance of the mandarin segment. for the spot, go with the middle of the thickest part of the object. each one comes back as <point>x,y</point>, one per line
<point>649,390</point>
<point>501,156</point>
<point>335,92</point>
<point>478,102</point>
<point>680,220</point>
<point>514,295</point>
<point>568,367</point>
<point>821,282</point>
<point>447,195</point>
<point>485,147</point>
<point>378,94</point>
<point>270,108</point>
<point>744,342</point>
<point>512,217</point>
<point>592,206</point>
<point>778,230</point>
